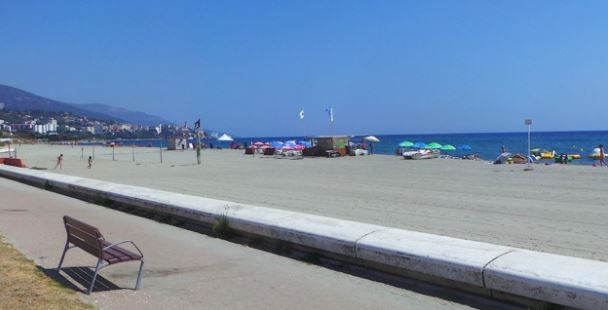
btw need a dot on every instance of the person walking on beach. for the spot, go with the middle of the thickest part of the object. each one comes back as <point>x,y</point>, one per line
<point>59,162</point>
<point>90,162</point>
<point>602,155</point>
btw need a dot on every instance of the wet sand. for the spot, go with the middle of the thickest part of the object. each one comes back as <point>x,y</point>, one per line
<point>558,208</point>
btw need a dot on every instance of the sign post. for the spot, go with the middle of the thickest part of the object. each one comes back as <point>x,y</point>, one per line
<point>528,123</point>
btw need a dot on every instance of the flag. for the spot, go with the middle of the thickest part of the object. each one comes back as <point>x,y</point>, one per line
<point>302,114</point>
<point>330,112</point>
<point>197,124</point>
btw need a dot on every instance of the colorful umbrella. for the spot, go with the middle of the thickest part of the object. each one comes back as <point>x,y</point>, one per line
<point>448,147</point>
<point>419,145</point>
<point>406,144</point>
<point>433,146</point>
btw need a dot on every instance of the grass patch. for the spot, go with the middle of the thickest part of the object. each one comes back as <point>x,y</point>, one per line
<point>47,185</point>
<point>23,286</point>
<point>221,228</point>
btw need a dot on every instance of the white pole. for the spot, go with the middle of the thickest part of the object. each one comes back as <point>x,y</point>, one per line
<point>529,146</point>
<point>529,124</point>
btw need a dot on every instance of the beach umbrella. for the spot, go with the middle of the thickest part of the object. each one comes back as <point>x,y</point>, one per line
<point>419,145</point>
<point>299,147</point>
<point>406,144</point>
<point>372,139</point>
<point>433,145</point>
<point>290,143</point>
<point>258,143</point>
<point>305,143</point>
<point>448,147</point>
<point>464,147</point>
<point>277,144</point>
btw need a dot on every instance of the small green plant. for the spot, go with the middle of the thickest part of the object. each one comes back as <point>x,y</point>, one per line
<point>98,200</point>
<point>222,227</point>
<point>312,258</point>
<point>551,306</point>
<point>107,202</point>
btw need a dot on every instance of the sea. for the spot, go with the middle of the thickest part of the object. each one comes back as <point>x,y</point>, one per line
<point>486,145</point>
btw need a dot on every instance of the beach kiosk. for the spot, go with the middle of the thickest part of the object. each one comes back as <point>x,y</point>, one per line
<point>330,146</point>
<point>177,143</point>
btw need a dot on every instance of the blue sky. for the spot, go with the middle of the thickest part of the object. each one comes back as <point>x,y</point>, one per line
<point>248,67</point>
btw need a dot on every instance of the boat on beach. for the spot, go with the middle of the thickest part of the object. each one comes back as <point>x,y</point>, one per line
<point>421,154</point>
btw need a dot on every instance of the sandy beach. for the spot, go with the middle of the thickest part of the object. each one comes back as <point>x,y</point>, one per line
<point>558,208</point>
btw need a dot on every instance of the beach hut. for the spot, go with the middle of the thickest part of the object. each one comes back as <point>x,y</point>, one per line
<point>328,145</point>
<point>177,143</point>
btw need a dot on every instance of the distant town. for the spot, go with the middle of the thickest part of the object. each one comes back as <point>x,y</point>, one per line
<point>59,126</point>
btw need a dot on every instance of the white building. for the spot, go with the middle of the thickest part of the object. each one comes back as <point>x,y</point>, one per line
<point>44,129</point>
<point>89,129</point>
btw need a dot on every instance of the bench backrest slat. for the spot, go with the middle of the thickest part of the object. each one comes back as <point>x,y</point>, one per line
<point>84,236</point>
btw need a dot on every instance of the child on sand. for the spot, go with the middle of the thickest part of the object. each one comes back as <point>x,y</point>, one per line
<point>90,162</point>
<point>59,162</point>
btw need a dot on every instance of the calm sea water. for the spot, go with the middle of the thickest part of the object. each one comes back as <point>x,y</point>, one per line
<point>486,145</point>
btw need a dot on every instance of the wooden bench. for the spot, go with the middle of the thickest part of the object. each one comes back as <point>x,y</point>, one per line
<point>89,239</point>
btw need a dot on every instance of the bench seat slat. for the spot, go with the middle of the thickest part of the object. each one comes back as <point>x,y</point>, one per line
<point>118,255</point>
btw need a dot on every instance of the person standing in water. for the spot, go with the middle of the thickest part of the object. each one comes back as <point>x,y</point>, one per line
<point>59,162</point>
<point>602,155</point>
<point>90,162</point>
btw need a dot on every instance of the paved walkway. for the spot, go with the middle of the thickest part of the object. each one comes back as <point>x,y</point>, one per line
<point>184,269</point>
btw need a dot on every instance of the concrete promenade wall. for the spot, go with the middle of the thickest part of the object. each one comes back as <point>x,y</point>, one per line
<point>568,281</point>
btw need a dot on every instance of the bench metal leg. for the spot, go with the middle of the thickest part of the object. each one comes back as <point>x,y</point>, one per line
<point>141,269</point>
<point>65,249</point>
<point>94,277</point>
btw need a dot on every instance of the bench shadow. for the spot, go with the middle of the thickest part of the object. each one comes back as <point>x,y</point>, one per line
<point>82,276</point>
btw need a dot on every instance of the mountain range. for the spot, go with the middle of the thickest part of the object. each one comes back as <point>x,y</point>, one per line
<point>12,98</point>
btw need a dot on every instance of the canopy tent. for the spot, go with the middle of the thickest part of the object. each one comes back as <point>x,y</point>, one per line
<point>225,137</point>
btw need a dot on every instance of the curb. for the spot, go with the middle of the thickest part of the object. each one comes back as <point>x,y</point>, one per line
<point>563,280</point>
